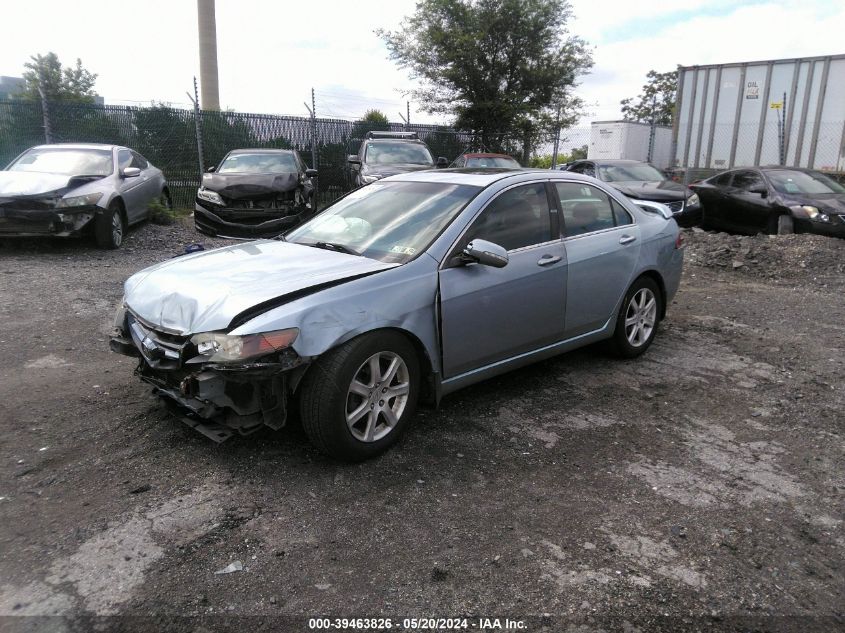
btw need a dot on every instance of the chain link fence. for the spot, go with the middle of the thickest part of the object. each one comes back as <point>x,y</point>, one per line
<point>168,137</point>
<point>704,151</point>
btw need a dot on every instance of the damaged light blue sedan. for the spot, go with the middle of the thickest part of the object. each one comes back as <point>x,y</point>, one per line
<point>400,292</point>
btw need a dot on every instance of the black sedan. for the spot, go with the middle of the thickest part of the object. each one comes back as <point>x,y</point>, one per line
<point>255,193</point>
<point>775,200</point>
<point>642,181</point>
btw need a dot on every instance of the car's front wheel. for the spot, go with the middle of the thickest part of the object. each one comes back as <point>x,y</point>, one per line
<point>110,227</point>
<point>357,399</point>
<point>636,323</point>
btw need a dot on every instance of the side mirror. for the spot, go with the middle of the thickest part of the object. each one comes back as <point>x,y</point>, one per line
<point>353,159</point>
<point>130,172</point>
<point>442,162</point>
<point>310,173</point>
<point>485,253</point>
<point>211,169</point>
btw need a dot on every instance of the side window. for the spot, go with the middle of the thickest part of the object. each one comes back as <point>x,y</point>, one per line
<point>746,180</point>
<point>585,208</point>
<point>517,218</point>
<point>621,216</point>
<point>724,180</point>
<point>124,158</point>
<point>589,170</point>
<point>138,161</point>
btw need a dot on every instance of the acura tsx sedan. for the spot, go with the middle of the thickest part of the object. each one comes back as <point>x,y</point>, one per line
<point>402,291</point>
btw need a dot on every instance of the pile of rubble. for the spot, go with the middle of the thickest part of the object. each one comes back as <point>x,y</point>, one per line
<point>774,256</point>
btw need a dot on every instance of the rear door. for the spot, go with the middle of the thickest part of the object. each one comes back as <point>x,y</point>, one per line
<point>602,245</point>
<point>491,314</point>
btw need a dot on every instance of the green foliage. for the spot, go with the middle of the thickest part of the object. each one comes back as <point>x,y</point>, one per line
<point>544,161</point>
<point>160,214</point>
<point>372,121</point>
<point>69,83</point>
<point>656,101</point>
<point>495,65</point>
<point>225,131</point>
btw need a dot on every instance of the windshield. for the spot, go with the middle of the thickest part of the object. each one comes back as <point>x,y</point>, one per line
<point>65,162</point>
<point>258,163</point>
<point>397,153</point>
<point>803,182</point>
<point>388,221</point>
<point>492,161</point>
<point>629,172</point>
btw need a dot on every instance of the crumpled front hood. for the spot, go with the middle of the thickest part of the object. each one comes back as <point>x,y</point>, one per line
<point>659,190</point>
<point>203,292</point>
<point>833,203</point>
<point>246,186</point>
<point>31,183</point>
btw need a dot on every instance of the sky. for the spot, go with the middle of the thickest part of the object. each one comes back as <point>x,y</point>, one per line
<point>271,53</point>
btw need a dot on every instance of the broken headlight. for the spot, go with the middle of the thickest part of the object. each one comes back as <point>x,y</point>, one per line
<point>79,201</point>
<point>209,196</point>
<point>216,347</point>
<point>806,211</point>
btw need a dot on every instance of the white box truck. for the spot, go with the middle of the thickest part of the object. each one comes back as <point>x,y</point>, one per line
<point>630,140</point>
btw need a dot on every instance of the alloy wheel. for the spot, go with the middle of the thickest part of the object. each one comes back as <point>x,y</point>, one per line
<point>377,396</point>
<point>640,317</point>
<point>117,228</point>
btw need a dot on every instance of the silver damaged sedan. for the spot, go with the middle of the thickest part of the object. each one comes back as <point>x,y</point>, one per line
<point>402,291</point>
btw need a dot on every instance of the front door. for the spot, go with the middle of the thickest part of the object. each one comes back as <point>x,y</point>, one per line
<point>491,314</point>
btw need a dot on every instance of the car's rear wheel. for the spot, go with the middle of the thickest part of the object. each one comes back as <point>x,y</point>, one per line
<point>356,400</point>
<point>636,323</point>
<point>110,227</point>
<point>164,199</point>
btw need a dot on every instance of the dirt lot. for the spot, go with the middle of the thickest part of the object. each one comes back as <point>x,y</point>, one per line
<point>697,488</point>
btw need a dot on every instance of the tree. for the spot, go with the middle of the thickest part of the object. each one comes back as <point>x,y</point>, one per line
<point>372,120</point>
<point>68,83</point>
<point>496,66</point>
<point>657,100</point>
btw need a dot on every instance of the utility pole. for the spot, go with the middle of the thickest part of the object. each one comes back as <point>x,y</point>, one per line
<point>198,128</point>
<point>408,113</point>
<point>651,130</point>
<point>207,26</point>
<point>313,112</point>
<point>45,110</point>
<point>557,139</point>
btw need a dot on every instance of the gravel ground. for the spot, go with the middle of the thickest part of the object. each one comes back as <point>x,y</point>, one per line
<point>699,487</point>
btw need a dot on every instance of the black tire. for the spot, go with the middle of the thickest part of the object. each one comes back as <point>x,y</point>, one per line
<point>621,343</point>
<point>704,223</point>
<point>326,397</point>
<point>108,233</point>
<point>784,225</point>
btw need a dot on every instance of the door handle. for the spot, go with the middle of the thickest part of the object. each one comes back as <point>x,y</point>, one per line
<point>547,260</point>
<point>627,239</point>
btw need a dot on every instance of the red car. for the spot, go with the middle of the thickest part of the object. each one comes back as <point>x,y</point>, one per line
<point>485,160</point>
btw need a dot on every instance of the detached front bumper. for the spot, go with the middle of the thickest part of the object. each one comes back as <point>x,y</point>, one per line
<point>215,399</point>
<point>17,222</point>
<point>247,224</point>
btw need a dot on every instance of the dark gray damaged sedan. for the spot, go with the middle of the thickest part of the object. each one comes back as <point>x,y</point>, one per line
<point>404,290</point>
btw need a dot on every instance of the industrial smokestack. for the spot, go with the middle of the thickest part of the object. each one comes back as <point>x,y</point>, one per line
<point>209,89</point>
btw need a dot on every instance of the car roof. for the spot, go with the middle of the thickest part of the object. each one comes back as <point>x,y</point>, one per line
<point>481,177</point>
<point>611,161</point>
<point>486,155</point>
<point>79,146</point>
<point>261,150</point>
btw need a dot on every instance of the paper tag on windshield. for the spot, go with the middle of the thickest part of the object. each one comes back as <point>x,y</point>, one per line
<point>403,250</point>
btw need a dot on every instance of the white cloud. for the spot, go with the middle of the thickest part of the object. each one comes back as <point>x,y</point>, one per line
<point>755,32</point>
<point>271,53</point>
